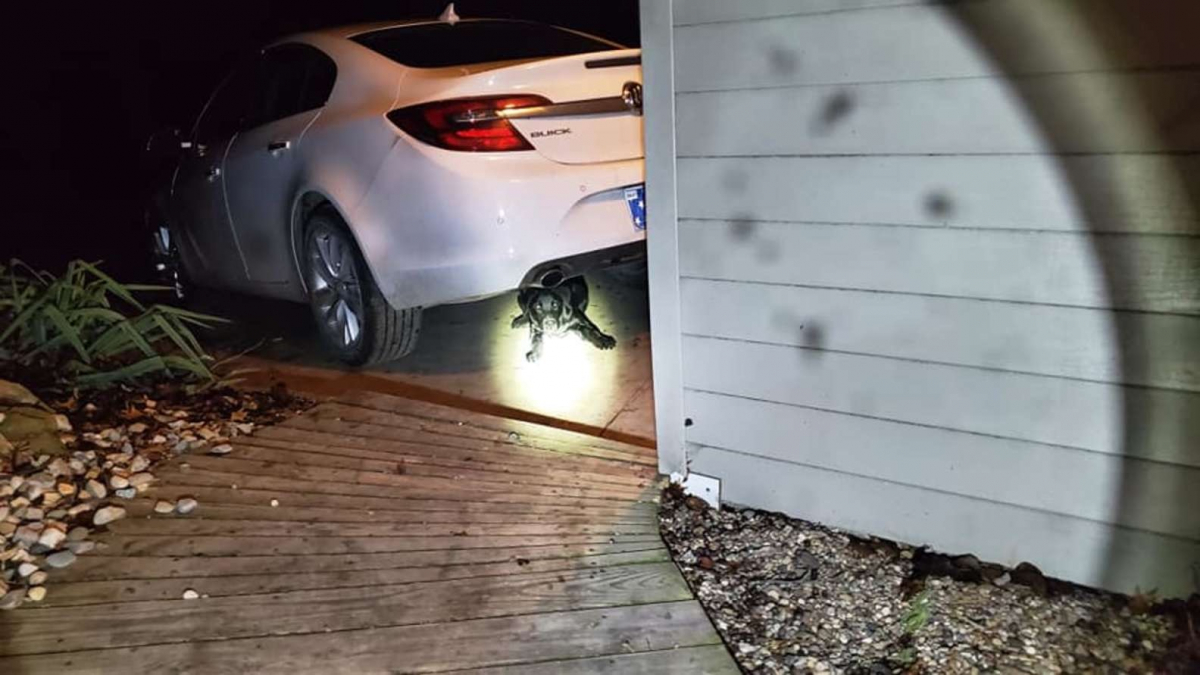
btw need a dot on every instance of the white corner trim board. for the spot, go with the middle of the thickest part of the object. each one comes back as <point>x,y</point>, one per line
<point>699,485</point>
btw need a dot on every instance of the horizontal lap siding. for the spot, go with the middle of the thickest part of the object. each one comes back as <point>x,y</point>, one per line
<point>1124,193</point>
<point>936,116</point>
<point>688,12</point>
<point>1037,339</point>
<point>963,277</point>
<point>1057,480</point>
<point>1018,266</point>
<point>1044,410</point>
<point>931,41</point>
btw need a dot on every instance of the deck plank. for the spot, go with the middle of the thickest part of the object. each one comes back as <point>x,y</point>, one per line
<point>193,567</point>
<point>707,660</point>
<point>339,448</point>
<point>465,471</point>
<point>409,649</point>
<point>403,510</point>
<point>420,490</point>
<point>135,590</point>
<point>132,624</point>
<point>490,452</point>
<point>224,545</point>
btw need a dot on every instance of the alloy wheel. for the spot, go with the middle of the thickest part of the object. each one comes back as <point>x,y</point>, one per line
<point>333,281</point>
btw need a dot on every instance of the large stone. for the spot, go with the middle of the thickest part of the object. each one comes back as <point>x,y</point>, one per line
<point>33,429</point>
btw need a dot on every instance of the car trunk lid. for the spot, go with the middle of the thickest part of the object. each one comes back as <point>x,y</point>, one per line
<point>594,113</point>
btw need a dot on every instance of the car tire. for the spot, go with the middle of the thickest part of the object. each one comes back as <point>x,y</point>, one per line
<point>355,321</point>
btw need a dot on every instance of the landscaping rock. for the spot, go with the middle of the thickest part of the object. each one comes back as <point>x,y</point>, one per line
<point>12,599</point>
<point>80,547</point>
<point>60,559</point>
<point>107,515</point>
<point>162,506</point>
<point>190,594</point>
<point>96,489</point>
<point>36,593</point>
<point>52,537</point>
<point>186,505</point>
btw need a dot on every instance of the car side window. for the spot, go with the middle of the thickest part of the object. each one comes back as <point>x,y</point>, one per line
<point>229,106</point>
<point>295,78</point>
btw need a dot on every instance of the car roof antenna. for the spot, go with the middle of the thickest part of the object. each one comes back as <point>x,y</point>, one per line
<point>449,15</point>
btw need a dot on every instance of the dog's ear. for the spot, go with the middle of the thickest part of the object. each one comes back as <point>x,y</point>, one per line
<point>524,296</point>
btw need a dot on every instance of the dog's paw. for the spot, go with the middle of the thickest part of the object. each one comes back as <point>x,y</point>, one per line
<point>606,342</point>
<point>532,357</point>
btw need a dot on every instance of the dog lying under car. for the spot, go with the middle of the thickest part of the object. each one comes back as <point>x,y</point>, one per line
<point>558,310</point>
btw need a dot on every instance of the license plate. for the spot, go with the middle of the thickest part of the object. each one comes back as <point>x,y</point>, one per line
<point>635,198</point>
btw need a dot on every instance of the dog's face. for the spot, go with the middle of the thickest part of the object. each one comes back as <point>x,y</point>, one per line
<point>550,311</point>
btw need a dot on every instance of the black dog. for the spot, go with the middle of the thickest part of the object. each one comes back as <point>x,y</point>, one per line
<point>557,311</point>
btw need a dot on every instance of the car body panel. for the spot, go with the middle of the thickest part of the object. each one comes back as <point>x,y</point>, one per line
<point>260,179</point>
<point>433,225</point>
<point>207,243</point>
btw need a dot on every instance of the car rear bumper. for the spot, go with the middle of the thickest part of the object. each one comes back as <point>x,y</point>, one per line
<point>438,227</point>
<point>552,272</point>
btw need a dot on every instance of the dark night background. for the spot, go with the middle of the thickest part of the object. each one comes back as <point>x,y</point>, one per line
<point>87,84</point>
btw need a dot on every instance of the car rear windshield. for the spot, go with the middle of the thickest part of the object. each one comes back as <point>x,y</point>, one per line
<point>441,45</point>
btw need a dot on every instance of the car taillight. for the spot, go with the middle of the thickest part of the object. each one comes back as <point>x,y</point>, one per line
<point>472,125</point>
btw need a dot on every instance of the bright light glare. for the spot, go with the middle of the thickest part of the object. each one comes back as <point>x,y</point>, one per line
<point>557,382</point>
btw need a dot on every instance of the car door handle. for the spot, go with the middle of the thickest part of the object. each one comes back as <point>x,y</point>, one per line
<point>213,173</point>
<point>276,147</point>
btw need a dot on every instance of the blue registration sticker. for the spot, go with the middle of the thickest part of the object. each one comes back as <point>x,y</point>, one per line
<point>635,197</point>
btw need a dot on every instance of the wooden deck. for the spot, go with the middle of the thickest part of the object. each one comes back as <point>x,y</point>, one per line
<point>408,538</point>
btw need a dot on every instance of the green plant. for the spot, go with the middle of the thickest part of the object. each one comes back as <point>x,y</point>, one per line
<point>918,613</point>
<point>92,330</point>
<point>914,619</point>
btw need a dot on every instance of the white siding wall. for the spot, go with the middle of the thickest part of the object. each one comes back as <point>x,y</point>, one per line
<point>939,271</point>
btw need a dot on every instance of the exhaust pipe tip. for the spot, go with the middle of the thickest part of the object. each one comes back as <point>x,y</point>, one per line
<point>551,277</point>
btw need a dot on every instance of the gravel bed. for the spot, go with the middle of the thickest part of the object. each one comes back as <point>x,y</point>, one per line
<point>789,596</point>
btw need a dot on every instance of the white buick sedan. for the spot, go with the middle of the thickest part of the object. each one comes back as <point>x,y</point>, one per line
<point>374,170</point>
